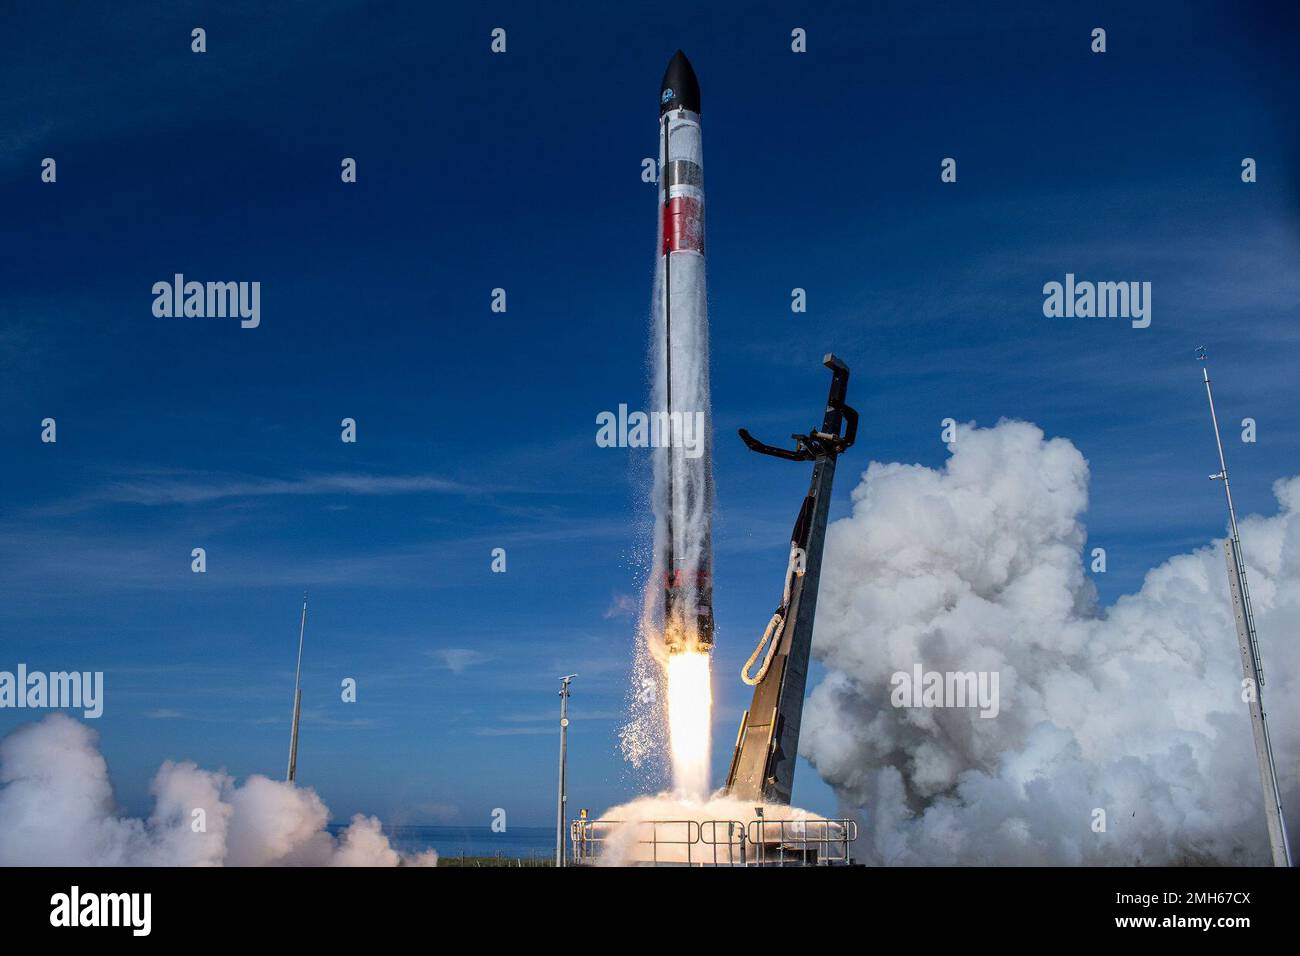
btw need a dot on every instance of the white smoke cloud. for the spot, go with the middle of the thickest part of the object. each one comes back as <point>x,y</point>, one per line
<point>1134,709</point>
<point>57,809</point>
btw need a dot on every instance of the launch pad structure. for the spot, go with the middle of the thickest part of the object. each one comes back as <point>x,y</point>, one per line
<point>767,744</point>
<point>811,841</point>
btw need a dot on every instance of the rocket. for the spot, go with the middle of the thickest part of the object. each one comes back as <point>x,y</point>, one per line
<point>683,482</point>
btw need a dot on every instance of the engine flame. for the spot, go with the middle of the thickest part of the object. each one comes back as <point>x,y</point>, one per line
<point>690,716</point>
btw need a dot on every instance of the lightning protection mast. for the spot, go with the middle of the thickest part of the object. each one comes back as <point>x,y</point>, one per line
<point>1248,642</point>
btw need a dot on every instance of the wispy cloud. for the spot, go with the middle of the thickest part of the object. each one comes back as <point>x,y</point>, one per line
<point>550,717</point>
<point>530,725</point>
<point>168,489</point>
<point>458,659</point>
<point>520,731</point>
<point>441,812</point>
<point>324,719</point>
<point>44,559</point>
<point>620,605</point>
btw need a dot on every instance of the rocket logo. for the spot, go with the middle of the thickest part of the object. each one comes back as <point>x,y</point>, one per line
<point>667,95</point>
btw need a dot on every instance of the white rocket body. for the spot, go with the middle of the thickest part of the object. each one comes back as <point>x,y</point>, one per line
<point>684,462</point>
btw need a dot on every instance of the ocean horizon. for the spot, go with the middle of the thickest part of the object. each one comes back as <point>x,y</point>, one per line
<point>528,843</point>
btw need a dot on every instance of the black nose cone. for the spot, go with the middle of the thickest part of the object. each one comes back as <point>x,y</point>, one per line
<point>680,90</point>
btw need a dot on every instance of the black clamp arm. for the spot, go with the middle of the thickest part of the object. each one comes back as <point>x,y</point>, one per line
<point>818,442</point>
<point>800,453</point>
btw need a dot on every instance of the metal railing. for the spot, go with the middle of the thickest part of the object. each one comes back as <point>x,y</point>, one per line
<point>806,842</point>
<point>760,842</point>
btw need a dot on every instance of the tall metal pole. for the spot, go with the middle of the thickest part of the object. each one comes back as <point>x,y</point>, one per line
<point>1252,665</point>
<point>297,699</point>
<point>564,746</point>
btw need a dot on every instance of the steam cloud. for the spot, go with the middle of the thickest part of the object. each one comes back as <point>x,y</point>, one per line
<point>1135,709</point>
<point>674,821</point>
<point>57,809</point>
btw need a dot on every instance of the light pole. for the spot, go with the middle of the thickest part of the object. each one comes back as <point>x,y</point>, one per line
<point>564,745</point>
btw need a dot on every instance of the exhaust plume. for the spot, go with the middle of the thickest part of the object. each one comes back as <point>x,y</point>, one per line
<point>1132,711</point>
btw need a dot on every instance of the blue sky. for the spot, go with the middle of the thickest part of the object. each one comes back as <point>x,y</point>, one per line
<point>477,430</point>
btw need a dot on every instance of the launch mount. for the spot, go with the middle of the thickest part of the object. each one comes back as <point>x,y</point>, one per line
<point>762,766</point>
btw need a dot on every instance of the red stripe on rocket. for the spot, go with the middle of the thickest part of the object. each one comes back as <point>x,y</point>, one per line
<point>683,225</point>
